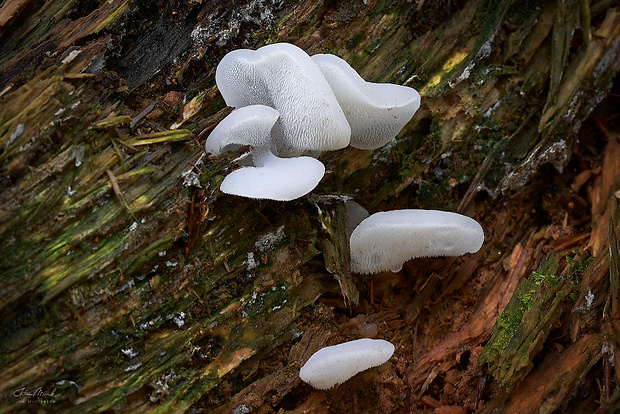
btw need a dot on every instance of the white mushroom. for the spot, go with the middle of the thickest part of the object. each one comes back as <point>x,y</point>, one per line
<point>376,111</point>
<point>274,178</point>
<point>250,125</point>
<point>271,177</point>
<point>334,365</point>
<point>284,77</point>
<point>385,240</point>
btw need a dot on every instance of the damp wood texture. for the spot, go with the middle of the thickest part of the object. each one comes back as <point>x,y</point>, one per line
<point>130,283</point>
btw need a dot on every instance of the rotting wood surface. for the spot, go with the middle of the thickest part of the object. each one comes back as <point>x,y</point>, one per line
<point>129,283</point>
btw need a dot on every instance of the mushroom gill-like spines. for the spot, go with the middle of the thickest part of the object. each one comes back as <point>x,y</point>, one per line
<point>386,240</point>
<point>335,364</point>
<point>285,78</point>
<point>250,125</point>
<point>375,111</point>
<point>274,178</point>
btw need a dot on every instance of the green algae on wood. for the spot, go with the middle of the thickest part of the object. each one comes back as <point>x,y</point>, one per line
<point>525,323</point>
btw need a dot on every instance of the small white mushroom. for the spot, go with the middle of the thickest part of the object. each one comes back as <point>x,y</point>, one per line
<point>274,178</point>
<point>284,77</point>
<point>375,111</point>
<point>271,177</point>
<point>334,365</point>
<point>250,125</point>
<point>386,240</point>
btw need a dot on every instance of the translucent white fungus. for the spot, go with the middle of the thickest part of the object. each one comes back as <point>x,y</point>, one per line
<point>375,111</point>
<point>284,77</point>
<point>275,178</point>
<point>334,365</point>
<point>250,125</point>
<point>271,177</point>
<point>386,240</point>
<point>354,215</point>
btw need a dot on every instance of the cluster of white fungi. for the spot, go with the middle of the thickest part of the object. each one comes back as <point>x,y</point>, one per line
<point>290,107</point>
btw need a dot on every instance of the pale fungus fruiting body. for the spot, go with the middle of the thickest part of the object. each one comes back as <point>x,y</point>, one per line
<point>250,125</point>
<point>335,364</point>
<point>270,177</point>
<point>274,178</point>
<point>386,240</point>
<point>285,78</point>
<point>290,104</point>
<point>375,111</point>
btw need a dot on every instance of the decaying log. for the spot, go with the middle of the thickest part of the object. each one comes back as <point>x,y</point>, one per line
<point>130,283</point>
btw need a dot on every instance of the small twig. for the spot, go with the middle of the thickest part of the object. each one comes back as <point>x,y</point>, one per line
<point>261,215</point>
<point>161,137</point>
<point>194,220</point>
<point>118,152</point>
<point>223,113</point>
<point>144,113</point>
<point>473,187</point>
<point>117,190</point>
<point>75,313</point>
<point>482,382</point>
<point>606,378</point>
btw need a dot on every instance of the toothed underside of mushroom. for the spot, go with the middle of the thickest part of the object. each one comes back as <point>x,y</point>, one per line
<point>284,77</point>
<point>386,240</point>
<point>376,111</point>
<point>250,125</point>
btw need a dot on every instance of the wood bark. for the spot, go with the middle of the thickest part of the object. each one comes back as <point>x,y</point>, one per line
<point>129,283</point>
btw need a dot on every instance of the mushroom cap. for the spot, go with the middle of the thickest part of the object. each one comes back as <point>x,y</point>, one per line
<point>386,240</point>
<point>284,77</point>
<point>274,178</point>
<point>334,365</point>
<point>250,125</point>
<point>376,111</point>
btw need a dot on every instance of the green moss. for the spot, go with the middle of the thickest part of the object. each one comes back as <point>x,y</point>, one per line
<point>577,267</point>
<point>522,328</point>
<point>355,40</point>
<point>507,324</point>
<point>526,296</point>
<point>381,8</point>
<point>509,320</point>
<point>433,194</point>
<point>359,59</point>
